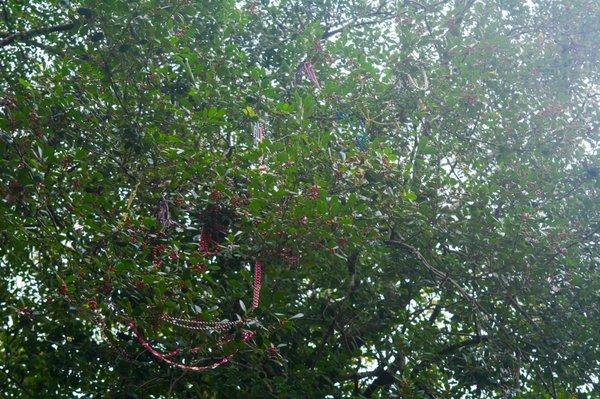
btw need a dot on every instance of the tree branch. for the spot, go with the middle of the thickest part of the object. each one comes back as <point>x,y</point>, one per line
<point>438,273</point>
<point>385,377</point>
<point>352,260</point>
<point>354,24</point>
<point>448,351</point>
<point>28,34</point>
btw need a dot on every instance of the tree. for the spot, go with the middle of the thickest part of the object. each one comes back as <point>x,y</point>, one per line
<point>418,179</point>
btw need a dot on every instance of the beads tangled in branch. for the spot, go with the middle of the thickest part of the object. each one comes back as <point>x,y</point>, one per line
<point>199,325</point>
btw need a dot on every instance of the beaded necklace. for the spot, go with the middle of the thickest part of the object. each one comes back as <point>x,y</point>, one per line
<point>198,325</point>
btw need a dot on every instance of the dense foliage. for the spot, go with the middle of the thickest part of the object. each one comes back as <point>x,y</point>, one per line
<point>425,202</point>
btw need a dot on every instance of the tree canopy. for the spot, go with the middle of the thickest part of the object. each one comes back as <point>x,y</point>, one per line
<point>412,186</point>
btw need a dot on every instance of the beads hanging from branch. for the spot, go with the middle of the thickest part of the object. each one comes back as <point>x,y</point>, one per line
<point>306,69</point>
<point>163,215</point>
<point>355,122</point>
<point>208,246</point>
<point>310,73</point>
<point>199,325</point>
<point>362,138</point>
<point>166,357</point>
<point>257,284</point>
<point>258,132</point>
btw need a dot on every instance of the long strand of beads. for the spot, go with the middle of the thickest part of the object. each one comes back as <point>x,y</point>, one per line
<point>310,73</point>
<point>201,325</point>
<point>165,357</point>
<point>258,132</point>
<point>257,284</point>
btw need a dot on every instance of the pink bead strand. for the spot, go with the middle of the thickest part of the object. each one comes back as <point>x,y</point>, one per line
<point>257,284</point>
<point>165,357</point>
<point>310,73</point>
<point>199,325</point>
